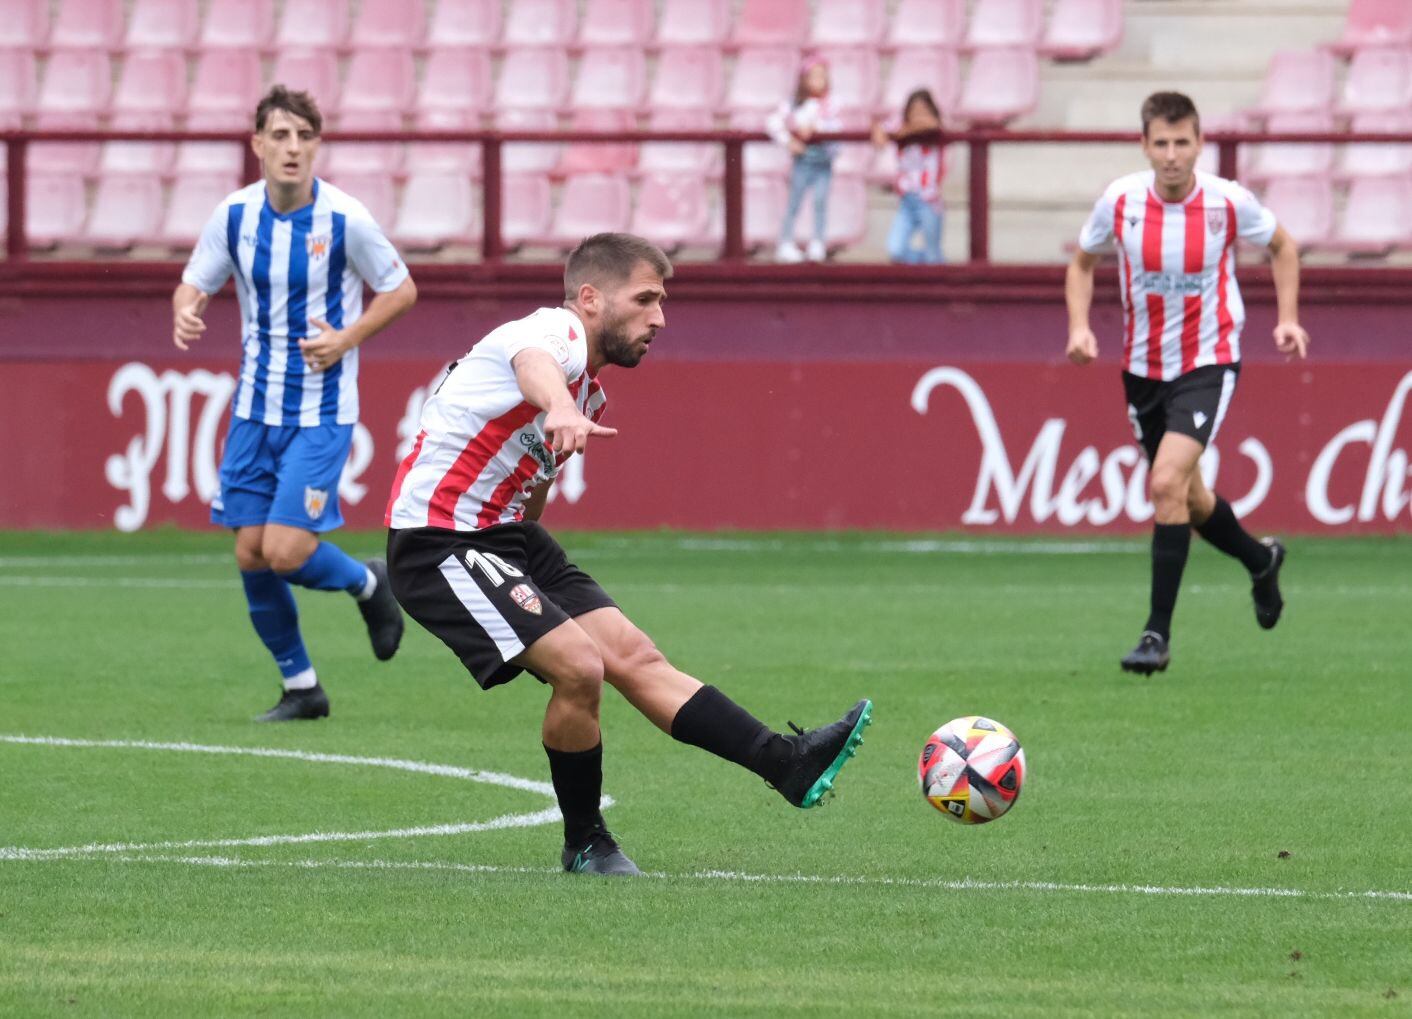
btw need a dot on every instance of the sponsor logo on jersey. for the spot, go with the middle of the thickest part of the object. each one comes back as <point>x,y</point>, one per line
<point>315,499</point>
<point>526,598</point>
<point>1171,284</point>
<point>317,247</point>
<point>536,449</point>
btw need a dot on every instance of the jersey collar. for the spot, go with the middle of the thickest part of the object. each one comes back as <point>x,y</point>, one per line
<point>292,212</point>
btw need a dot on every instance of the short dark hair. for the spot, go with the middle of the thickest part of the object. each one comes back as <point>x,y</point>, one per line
<point>606,259</point>
<point>1169,106</point>
<point>300,104</point>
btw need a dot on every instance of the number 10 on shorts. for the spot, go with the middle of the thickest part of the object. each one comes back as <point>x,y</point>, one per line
<point>495,568</point>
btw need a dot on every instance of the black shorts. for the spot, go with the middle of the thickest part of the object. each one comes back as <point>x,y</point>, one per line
<point>1193,404</point>
<point>488,594</point>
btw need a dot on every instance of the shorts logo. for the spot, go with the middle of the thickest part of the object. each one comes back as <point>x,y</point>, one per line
<point>1200,418</point>
<point>1216,221</point>
<point>526,599</point>
<point>315,499</point>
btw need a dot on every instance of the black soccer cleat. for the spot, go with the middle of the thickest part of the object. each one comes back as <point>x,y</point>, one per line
<point>1265,587</point>
<point>382,614</point>
<point>602,855</point>
<point>820,754</point>
<point>295,704</point>
<point>1151,655</point>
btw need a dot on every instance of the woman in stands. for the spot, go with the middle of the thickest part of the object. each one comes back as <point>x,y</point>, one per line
<point>919,170</point>
<point>795,125</point>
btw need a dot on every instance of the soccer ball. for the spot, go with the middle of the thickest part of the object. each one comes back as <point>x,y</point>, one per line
<point>971,769</point>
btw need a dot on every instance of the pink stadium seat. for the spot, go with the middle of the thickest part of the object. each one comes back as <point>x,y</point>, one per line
<point>609,79</point>
<point>761,159</point>
<point>436,209</point>
<point>849,23</point>
<point>526,207</point>
<point>313,24</point>
<point>883,172</point>
<point>312,71</point>
<point>616,23</point>
<point>1082,29</point>
<point>540,23</point>
<point>693,23</point>
<point>772,23</point>
<point>1297,81</point>
<point>161,24</point>
<point>126,208</point>
<point>528,157</point>
<point>1376,23</point>
<point>668,158</point>
<point>533,79</point>
<point>448,157</point>
<point>238,24</point>
<point>928,23</point>
<point>591,204</point>
<point>1293,159</point>
<point>364,157</point>
<point>226,159</point>
<point>1377,215</point>
<point>848,214</point>
<point>76,81</point>
<point>65,157</point>
<point>1371,159</point>
<point>5,205</point>
<point>88,24</point>
<point>855,159</point>
<point>672,211</point>
<point>765,199</point>
<point>25,24</point>
<point>600,157</point>
<point>1304,206</point>
<point>375,190</point>
<point>997,23</point>
<point>763,79</point>
<point>17,87</point>
<point>456,79</point>
<point>457,24</point>
<point>1002,84</point>
<point>930,68</point>
<point>380,79</point>
<point>388,23</point>
<point>1379,80</point>
<point>152,82</point>
<point>854,78</point>
<point>55,207</point>
<point>194,197</point>
<point>687,78</point>
<point>1210,159</point>
<point>153,158</point>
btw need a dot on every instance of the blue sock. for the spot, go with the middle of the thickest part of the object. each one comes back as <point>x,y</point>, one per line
<point>330,569</point>
<point>276,620</point>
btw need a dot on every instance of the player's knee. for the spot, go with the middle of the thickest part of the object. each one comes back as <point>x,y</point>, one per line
<point>249,559</point>
<point>286,556</point>
<point>636,656</point>
<point>1170,486</point>
<point>578,675</point>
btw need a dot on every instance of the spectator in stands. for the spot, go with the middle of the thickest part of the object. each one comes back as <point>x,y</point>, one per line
<point>795,125</point>
<point>919,170</point>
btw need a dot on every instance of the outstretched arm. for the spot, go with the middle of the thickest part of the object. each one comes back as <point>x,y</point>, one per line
<point>1290,336</point>
<point>1078,296</point>
<point>541,380</point>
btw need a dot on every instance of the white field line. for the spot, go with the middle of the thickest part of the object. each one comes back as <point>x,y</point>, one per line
<point>741,877</point>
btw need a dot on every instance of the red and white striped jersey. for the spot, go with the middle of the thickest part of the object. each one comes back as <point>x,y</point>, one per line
<point>920,167</point>
<point>1181,306</point>
<point>480,449</point>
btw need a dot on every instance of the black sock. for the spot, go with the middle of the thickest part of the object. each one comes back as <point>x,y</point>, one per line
<point>1170,544</point>
<point>715,723</point>
<point>578,784</point>
<point>1223,531</point>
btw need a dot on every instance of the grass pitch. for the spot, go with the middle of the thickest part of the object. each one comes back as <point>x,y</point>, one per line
<point>1200,842</point>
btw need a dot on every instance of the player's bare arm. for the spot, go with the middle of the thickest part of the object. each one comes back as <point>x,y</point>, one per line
<point>1078,296</point>
<point>1290,337</point>
<point>188,305</point>
<point>323,351</point>
<point>534,502</point>
<point>541,380</point>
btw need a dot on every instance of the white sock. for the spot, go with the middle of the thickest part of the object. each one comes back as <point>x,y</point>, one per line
<point>369,586</point>
<point>305,680</point>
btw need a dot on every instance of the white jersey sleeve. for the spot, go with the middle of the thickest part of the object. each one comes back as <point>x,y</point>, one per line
<point>1097,232</point>
<point>1255,223</point>
<point>372,254</point>
<point>210,264</point>
<point>556,336</point>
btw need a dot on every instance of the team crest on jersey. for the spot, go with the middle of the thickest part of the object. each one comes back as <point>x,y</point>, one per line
<point>1216,221</point>
<point>526,599</point>
<point>317,247</point>
<point>315,499</point>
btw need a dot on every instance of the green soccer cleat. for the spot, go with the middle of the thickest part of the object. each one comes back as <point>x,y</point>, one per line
<point>820,754</point>
<point>600,855</point>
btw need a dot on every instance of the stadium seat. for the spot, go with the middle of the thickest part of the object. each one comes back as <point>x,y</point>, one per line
<point>238,24</point>
<point>1379,81</point>
<point>591,204</point>
<point>1082,29</point>
<point>211,158</point>
<point>446,157</point>
<point>854,78</point>
<point>533,79</point>
<point>1375,23</point>
<point>600,157</point>
<point>849,23</point>
<point>928,23</point>
<point>765,199</point>
<point>1369,159</point>
<point>1005,23</point>
<point>375,190</point>
<point>25,24</point>
<point>883,172</point>
<point>667,158</point>
<point>4,205</point>
<point>1294,159</point>
<point>18,87</point>
<point>161,24</point>
<point>687,78</point>
<point>528,157</point>
<point>761,159</point>
<point>312,71</point>
<point>436,209</point>
<point>388,23</point>
<point>343,158</point>
<point>54,208</point>
<point>1304,206</point>
<point>76,81</point>
<point>1377,216</point>
<point>609,79</point>
<point>771,23</point>
<point>540,23</point>
<point>672,211</point>
<point>1297,81</point>
<point>313,24</point>
<point>693,23</point>
<point>379,79</point>
<point>763,79</point>
<point>935,69</point>
<point>1002,84</point>
<point>88,24</point>
<point>65,158</point>
<point>126,208</point>
<point>455,79</point>
<point>526,208</point>
<point>616,23</point>
<point>194,197</point>
<point>855,159</point>
<point>847,214</point>
<point>1210,159</point>
<point>154,158</point>
<point>459,24</point>
<point>152,82</point>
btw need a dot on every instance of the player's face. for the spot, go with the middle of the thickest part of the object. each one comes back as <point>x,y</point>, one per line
<point>1173,149</point>
<point>632,314</point>
<point>287,147</point>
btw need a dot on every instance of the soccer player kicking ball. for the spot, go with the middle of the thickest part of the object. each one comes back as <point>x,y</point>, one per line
<point>300,251</point>
<point>470,562</point>
<point>1176,230</point>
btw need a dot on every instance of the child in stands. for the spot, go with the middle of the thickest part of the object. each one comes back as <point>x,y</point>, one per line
<point>919,171</point>
<point>795,125</point>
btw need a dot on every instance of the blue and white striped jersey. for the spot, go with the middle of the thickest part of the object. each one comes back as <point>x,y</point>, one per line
<point>289,268</point>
